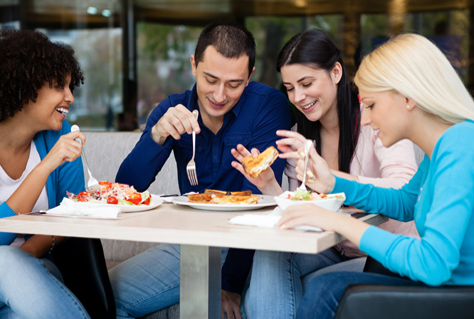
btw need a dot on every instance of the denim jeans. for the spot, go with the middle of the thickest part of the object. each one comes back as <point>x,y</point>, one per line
<point>323,293</point>
<point>278,280</point>
<point>33,288</point>
<point>148,282</point>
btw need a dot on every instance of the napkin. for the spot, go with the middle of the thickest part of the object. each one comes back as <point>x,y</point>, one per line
<point>267,220</point>
<point>71,208</point>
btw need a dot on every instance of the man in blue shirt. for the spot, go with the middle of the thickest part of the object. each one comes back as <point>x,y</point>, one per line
<point>232,110</point>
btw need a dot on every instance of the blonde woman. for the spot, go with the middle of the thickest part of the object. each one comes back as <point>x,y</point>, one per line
<point>408,90</point>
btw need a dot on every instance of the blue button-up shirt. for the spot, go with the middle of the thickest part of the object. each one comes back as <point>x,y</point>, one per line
<point>252,122</point>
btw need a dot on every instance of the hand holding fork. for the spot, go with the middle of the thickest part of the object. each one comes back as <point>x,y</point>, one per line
<point>92,185</point>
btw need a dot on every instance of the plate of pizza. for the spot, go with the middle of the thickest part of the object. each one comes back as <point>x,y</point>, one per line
<point>216,200</point>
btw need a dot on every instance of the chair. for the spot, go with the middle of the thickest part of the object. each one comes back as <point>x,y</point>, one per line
<point>393,302</point>
<point>82,265</point>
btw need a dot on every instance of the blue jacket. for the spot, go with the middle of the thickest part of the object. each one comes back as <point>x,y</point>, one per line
<point>67,177</point>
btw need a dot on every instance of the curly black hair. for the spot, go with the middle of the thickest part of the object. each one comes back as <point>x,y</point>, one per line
<point>28,60</point>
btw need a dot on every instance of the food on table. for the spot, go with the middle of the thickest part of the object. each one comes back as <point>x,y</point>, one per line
<point>199,198</point>
<point>300,194</point>
<point>253,166</point>
<point>211,196</point>
<point>114,194</point>
<point>223,193</point>
<point>233,199</point>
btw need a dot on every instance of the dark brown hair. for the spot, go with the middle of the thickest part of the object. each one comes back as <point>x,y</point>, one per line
<point>229,39</point>
<point>28,60</point>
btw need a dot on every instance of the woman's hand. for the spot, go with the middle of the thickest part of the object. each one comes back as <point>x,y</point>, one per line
<point>290,144</point>
<point>318,175</point>
<point>66,149</point>
<point>310,215</point>
<point>266,181</point>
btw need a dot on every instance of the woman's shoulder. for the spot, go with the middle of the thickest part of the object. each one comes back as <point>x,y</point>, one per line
<point>460,132</point>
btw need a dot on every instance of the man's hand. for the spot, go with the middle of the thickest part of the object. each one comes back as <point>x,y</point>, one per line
<point>176,121</point>
<point>230,305</point>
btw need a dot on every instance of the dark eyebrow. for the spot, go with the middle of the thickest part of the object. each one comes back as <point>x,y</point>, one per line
<point>215,77</point>
<point>302,79</point>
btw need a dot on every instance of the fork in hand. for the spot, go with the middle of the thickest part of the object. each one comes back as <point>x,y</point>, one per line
<point>307,146</point>
<point>92,186</point>
<point>191,167</point>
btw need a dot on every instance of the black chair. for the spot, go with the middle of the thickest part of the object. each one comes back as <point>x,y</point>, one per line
<point>407,302</point>
<point>82,264</point>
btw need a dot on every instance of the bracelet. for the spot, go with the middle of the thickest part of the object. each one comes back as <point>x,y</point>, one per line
<point>52,245</point>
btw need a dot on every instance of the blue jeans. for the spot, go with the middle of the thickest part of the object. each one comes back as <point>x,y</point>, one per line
<point>323,293</point>
<point>33,288</point>
<point>148,282</point>
<point>278,280</point>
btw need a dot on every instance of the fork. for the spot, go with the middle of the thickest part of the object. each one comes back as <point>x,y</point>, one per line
<point>191,167</point>
<point>307,146</point>
<point>92,186</point>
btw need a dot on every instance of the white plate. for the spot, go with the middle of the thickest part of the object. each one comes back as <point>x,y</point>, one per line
<point>155,202</point>
<point>333,204</point>
<point>264,201</point>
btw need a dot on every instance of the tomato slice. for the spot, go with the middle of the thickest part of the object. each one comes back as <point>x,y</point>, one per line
<point>147,201</point>
<point>135,198</point>
<point>112,200</point>
<point>83,193</point>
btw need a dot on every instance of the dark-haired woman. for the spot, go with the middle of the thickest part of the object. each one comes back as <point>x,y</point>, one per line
<point>37,165</point>
<point>317,84</point>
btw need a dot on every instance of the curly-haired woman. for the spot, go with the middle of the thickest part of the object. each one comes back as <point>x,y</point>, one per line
<point>37,165</point>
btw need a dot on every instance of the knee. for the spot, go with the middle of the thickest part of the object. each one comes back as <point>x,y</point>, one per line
<point>11,258</point>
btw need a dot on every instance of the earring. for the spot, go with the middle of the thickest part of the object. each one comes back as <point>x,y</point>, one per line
<point>408,106</point>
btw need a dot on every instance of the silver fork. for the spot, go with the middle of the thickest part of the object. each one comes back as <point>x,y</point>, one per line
<point>307,146</point>
<point>92,185</point>
<point>191,167</point>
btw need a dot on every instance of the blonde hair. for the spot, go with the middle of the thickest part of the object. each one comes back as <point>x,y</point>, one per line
<point>414,67</point>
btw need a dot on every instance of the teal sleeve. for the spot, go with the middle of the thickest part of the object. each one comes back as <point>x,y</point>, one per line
<point>6,211</point>
<point>394,203</point>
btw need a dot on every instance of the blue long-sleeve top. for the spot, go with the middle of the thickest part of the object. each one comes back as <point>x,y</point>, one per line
<point>252,122</point>
<point>440,199</point>
<point>67,177</point>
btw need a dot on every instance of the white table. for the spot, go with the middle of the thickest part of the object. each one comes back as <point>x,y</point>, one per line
<point>201,235</point>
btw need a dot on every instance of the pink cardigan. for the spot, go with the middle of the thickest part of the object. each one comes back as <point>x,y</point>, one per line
<point>374,164</point>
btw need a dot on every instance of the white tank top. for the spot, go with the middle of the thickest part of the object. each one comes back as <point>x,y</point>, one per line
<point>8,186</point>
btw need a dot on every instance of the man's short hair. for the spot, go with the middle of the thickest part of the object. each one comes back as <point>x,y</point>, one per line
<point>229,39</point>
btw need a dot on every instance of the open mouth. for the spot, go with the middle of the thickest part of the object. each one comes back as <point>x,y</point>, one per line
<point>308,106</point>
<point>62,110</point>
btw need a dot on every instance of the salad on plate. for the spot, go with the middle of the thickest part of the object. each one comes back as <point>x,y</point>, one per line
<point>301,195</point>
<point>114,194</point>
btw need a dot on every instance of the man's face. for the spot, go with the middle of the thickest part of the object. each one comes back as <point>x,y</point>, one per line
<point>219,83</point>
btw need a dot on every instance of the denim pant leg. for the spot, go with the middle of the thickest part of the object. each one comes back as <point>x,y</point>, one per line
<point>324,292</point>
<point>29,290</point>
<point>148,282</point>
<point>276,284</point>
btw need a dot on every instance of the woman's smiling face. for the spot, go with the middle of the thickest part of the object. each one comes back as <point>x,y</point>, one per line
<point>312,91</point>
<point>386,113</point>
<point>51,105</point>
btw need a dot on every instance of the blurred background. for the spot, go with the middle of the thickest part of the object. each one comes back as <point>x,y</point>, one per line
<point>135,53</point>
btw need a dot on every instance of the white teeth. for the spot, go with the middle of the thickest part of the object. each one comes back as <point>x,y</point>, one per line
<point>308,106</point>
<point>62,110</point>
